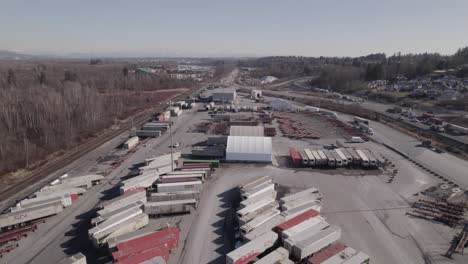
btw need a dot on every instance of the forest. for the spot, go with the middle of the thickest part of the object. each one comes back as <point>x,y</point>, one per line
<point>54,105</point>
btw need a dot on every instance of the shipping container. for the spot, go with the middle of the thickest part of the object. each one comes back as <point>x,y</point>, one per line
<point>310,156</point>
<point>128,226</point>
<point>364,160</point>
<point>198,176</point>
<point>341,256</point>
<point>176,172</point>
<point>182,179</point>
<point>123,200</point>
<point>316,242</point>
<point>252,249</point>
<point>139,182</point>
<point>116,213</point>
<point>275,256</point>
<point>259,220</point>
<point>299,195</point>
<point>262,229</point>
<point>248,217</point>
<point>256,198</point>
<point>296,159</point>
<point>28,215</point>
<point>170,207</point>
<point>168,196</point>
<point>131,143</point>
<point>179,186</point>
<point>326,253</point>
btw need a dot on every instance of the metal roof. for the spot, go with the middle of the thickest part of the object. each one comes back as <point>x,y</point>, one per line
<point>251,131</point>
<point>252,145</point>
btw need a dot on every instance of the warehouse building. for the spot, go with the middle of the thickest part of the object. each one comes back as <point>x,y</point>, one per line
<point>247,131</point>
<point>224,95</point>
<point>249,149</point>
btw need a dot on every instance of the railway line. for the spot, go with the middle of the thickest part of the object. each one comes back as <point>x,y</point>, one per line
<point>13,193</point>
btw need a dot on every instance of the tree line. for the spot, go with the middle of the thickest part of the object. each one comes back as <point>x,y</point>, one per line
<point>50,106</point>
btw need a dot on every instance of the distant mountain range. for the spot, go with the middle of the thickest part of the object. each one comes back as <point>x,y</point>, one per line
<point>11,55</point>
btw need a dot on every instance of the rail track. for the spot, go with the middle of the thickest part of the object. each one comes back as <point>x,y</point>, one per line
<point>13,193</point>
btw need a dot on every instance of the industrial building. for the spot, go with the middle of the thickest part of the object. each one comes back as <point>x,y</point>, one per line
<point>249,149</point>
<point>224,95</point>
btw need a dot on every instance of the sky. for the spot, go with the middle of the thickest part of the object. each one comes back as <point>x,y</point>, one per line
<point>203,28</point>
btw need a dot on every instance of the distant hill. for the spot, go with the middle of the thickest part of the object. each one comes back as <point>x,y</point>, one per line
<point>11,55</point>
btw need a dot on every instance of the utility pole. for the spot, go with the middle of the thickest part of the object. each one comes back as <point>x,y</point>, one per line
<point>172,146</point>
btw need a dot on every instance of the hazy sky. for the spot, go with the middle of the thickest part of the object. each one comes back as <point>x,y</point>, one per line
<point>233,27</point>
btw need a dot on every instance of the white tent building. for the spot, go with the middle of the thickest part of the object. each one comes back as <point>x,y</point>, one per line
<point>248,148</point>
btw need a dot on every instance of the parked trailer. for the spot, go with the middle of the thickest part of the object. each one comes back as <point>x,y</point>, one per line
<point>148,133</point>
<point>255,206</point>
<point>343,157</point>
<point>17,218</point>
<point>259,220</point>
<point>85,181</point>
<point>341,256</point>
<point>73,192</point>
<point>101,229</point>
<point>254,183</point>
<point>174,180</point>
<point>309,226</point>
<point>316,242</point>
<point>338,159</point>
<point>299,195</point>
<point>348,156</point>
<point>34,202</point>
<point>251,200</point>
<point>297,203</point>
<point>308,214</point>
<point>116,213</point>
<point>356,158</point>
<point>168,236</point>
<point>131,143</point>
<point>458,129</point>
<point>318,159</point>
<point>179,186</point>
<point>304,158</point>
<point>213,163</point>
<point>170,207</point>
<point>129,225</point>
<point>330,158</point>
<point>123,200</point>
<point>275,256</point>
<point>162,159</point>
<point>257,191</point>
<point>364,160</point>
<point>198,176</point>
<point>252,249</point>
<point>204,172</point>
<point>78,258</point>
<point>138,183</point>
<point>310,156</point>
<point>317,206</point>
<point>262,229</point>
<point>295,157</point>
<point>358,120</point>
<point>313,227</point>
<point>323,157</point>
<point>372,159</point>
<point>169,196</point>
<point>326,253</point>
<point>248,217</point>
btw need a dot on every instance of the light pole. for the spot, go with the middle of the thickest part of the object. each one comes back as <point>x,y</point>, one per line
<point>172,146</point>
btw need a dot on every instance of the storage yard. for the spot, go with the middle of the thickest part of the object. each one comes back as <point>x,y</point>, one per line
<point>238,183</point>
